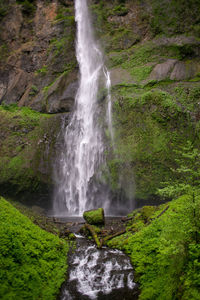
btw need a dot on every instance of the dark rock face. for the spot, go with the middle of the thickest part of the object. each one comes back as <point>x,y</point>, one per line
<point>28,147</point>
<point>58,98</point>
<point>38,54</point>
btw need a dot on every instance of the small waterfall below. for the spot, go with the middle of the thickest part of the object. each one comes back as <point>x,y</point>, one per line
<point>83,150</point>
<point>98,274</point>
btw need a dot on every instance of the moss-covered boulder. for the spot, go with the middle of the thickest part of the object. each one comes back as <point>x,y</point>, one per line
<point>94,217</point>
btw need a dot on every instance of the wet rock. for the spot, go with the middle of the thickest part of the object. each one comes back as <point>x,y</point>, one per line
<point>94,217</point>
<point>184,70</point>
<point>59,97</point>
<point>175,70</point>
<point>163,71</point>
<point>18,81</point>
<point>119,75</point>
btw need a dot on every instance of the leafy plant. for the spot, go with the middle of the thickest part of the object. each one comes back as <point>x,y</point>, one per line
<point>187,173</point>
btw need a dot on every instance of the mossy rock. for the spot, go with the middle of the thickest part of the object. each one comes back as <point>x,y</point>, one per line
<point>94,217</point>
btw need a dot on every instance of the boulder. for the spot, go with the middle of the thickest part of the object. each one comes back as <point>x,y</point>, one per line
<point>119,75</point>
<point>185,70</point>
<point>94,217</point>
<point>163,71</point>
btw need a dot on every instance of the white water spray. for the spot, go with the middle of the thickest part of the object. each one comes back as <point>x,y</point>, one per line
<point>95,273</point>
<point>83,150</point>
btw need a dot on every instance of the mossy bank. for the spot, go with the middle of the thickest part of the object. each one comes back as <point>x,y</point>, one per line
<point>33,261</point>
<point>163,244</point>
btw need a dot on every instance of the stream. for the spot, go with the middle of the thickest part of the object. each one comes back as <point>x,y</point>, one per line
<point>101,274</point>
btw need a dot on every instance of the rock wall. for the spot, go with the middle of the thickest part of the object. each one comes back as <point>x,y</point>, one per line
<point>37,55</point>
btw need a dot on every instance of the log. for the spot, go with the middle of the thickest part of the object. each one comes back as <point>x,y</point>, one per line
<point>127,219</point>
<point>162,212</point>
<point>94,235</point>
<point>109,237</point>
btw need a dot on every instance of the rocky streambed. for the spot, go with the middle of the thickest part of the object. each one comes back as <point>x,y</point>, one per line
<point>98,273</point>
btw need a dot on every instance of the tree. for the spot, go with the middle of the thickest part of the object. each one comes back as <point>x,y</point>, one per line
<point>186,180</point>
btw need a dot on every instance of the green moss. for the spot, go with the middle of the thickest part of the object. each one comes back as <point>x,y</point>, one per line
<point>167,17</point>
<point>119,10</point>
<point>94,217</point>
<point>31,133</point>
<point>141,73</point>
<point>166,249</point>
<point>33,262</point>
<point>148,124</point>
<point>43,71</point>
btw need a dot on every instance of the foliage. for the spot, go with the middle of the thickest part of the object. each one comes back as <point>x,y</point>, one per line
<point>27,114</point>
<point>147,125</point>
<point>120,10</point>
<point>166,251</point>
<point>3,51</point>
<point>187,172</point>
<point>167,16</point>
<point>165,246</point>
<point>33,262</point>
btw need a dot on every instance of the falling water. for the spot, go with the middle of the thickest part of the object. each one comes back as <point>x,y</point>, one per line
<point>83,149</point>
<point>109,105</point>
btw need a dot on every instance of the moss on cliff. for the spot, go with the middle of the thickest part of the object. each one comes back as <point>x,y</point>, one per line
<point>27,148</point>
<point>151,117</point>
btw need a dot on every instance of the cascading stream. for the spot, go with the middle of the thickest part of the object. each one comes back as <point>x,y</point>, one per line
<point>98,274</point>
<point>83,147</point>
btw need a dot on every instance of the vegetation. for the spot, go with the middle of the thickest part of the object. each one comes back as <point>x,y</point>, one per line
<point>28,6</point>
<point>94,216</point>
<point>165,244</point>
<point>156,146</point>
<point>28,131</point>
<point>33,262</point>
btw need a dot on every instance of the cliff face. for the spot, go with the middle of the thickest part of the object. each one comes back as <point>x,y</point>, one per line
<point>37,55</point>
<point>153,52</point>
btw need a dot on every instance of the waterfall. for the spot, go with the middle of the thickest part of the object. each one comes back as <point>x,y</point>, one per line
<point>98,274</point>
<point>83,148</point>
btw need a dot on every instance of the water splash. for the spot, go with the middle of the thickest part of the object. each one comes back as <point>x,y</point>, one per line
<point>83,142</point>
<point>99,274</point>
